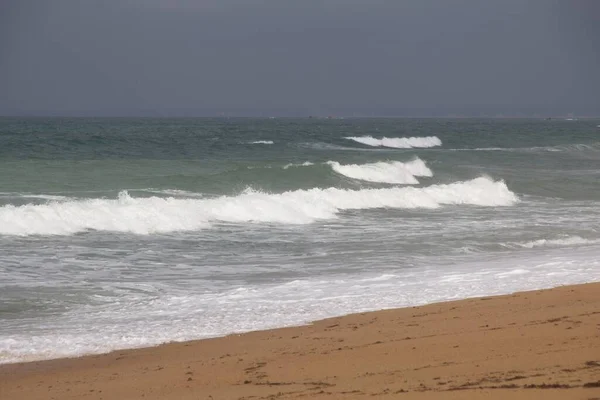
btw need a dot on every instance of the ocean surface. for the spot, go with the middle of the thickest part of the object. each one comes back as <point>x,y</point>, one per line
<point>119,233</point>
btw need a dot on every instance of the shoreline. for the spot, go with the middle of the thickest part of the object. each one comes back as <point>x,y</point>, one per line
<point>527,344</point>
<point>108,345</point>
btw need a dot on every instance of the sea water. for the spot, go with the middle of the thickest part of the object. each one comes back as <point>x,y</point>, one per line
<point>120,233</point>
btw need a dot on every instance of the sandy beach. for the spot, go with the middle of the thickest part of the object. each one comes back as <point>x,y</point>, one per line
<point>290,200</point>
<point>540,344</point>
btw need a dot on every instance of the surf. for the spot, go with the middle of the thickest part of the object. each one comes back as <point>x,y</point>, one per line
<point>398,142</point>
<point>154,215</point>
<point>559,242</point>
<point>262,142</point>
<point>395,172</point>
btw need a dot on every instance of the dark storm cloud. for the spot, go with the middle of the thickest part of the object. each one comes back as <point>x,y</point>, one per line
<point>161,57</point>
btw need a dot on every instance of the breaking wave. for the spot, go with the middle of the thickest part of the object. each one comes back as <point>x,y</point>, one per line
<point>567,241</point>
<point>52,197</point>
<point>384,172</point>
<point>398,143</point>
<point>262,142</point>
<point>574,147</point>
<point>172,192</point>
<point>161,215</point>
<point>304,164</point>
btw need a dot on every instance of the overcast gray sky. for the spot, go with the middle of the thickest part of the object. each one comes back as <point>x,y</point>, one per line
<point>199,57</point>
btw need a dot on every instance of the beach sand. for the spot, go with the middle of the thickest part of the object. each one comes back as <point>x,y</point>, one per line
<point>540,344</point>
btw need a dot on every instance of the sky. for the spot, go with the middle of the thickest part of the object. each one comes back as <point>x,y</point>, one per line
<point>303,57</point>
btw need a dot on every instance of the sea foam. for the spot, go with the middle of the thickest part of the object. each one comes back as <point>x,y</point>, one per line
<point>384,172</point>
<point>292,165</point>
<point>398,143</point>
<point>566,241</point>
<point>569,148</point>
<point>138,321</point>
<point>161,215</point>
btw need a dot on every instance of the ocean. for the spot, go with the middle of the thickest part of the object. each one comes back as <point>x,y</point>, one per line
<point>122,233</point>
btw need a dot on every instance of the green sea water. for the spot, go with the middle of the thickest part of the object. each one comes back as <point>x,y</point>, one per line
<point>112,230</point>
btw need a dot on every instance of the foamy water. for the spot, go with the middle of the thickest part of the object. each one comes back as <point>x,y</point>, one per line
<point>292,165</point>
<point>160,215</point>
<point>567,241</point>
<point>138,321</point>
<point>262,142</point>
<point>385,172</point>
<point>398,142</point>
<point>128,233</point>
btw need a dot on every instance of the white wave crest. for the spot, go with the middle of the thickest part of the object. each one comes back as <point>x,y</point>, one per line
<point>398,143</point>
<point>384,172</point>
<point>304,164</point>
<point>574,147</point>
<point>567,241</point>
<point>51,197</point>
<point>173,192</point>
<point>160,215</point>
<point>262,142</point>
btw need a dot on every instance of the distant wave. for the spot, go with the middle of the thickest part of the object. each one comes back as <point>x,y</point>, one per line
<point>304,164</point>
<point>384,172</point>
<point>398,143</point>
<point>262,142</point>
<point>161,215</point>
<point>575,147</point>
<point>52,197</point>
<point>172,192</point>
<point>566,241</point>
<point>571,147</point>
<point>322,146</point>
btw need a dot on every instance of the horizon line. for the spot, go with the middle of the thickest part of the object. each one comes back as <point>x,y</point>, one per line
<point>308,116</point>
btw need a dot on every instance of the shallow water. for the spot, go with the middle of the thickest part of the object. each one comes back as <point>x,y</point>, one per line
<point>129,232</point>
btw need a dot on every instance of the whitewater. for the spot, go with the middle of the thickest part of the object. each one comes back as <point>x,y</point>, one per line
<point>398,142</point>
<point>133,232</point>
<point>159,215</point>
<point>385,172</point>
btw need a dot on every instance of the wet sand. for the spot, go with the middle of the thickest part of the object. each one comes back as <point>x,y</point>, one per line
<point>540,344</point>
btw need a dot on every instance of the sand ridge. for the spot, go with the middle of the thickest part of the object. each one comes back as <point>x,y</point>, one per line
<point>540,344</point>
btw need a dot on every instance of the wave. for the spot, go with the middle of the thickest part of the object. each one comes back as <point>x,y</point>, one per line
<point>322,146</point>
<point>398,143</point>
<point>161,215</point>
<point>304,164</point>
<point>384,172</point>
<point>262,142</point>
<point>574,147</point>
<point>567,241</point>
<point>171,192</point>
<point>51,197</point>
